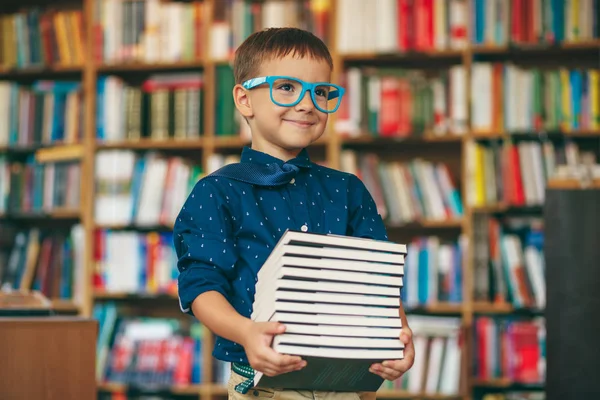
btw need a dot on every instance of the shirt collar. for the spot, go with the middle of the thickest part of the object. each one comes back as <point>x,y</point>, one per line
<point>255,156</point>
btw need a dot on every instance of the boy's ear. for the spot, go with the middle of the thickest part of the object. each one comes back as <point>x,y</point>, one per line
<point>242,101</point>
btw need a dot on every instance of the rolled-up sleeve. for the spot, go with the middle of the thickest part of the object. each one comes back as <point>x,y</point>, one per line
<point>364,220</point>
<point>204,243</point>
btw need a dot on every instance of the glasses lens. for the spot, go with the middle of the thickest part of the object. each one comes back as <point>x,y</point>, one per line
<point>286,91</point>
<point>327,97</point>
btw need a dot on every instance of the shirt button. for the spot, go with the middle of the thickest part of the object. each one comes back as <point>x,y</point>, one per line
<point>304,228</point>
<point>293,180</point>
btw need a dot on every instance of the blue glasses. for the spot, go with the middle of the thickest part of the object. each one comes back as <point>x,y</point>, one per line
<point>287,92</point>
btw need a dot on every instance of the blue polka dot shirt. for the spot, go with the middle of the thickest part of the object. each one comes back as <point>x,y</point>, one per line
<point>226,229</point>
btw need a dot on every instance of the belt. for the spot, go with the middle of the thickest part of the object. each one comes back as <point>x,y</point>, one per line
<point>246,371</point>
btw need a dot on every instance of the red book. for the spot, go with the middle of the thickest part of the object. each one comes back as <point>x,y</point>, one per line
<point>518,197</point>
<point>183,371</point>
<point>389,118</point>
<point>405,24</point>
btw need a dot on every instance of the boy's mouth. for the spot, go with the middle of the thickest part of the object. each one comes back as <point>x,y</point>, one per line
<point>299,123</point>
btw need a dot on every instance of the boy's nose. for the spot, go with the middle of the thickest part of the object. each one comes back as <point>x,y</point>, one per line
<point>305,103</point>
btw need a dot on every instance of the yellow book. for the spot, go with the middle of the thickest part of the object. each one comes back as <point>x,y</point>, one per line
<point>153,262</point>
<point>74,18</point>
<point>575,19</point>
<point>60,27</point>
<point>479,175</point>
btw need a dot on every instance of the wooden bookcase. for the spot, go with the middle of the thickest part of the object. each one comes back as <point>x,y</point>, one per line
<point>450,147</point>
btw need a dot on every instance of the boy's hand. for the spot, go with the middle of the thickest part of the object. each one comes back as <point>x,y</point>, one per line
<point>394,369</point>
<point>262,357</point>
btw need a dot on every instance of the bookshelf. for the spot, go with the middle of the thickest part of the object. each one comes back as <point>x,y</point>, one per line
<point>451,147</point>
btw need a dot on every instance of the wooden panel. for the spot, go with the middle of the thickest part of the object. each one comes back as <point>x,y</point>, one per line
<point>49,358</point>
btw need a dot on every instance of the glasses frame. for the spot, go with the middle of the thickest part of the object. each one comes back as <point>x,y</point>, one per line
<point>306,87</point>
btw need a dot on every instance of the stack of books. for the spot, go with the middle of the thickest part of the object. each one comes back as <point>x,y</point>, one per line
<point>338,297</point>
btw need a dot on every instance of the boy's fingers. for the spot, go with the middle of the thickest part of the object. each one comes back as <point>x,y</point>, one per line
<point>282,360</point>
<point>406,336</point>
<point>273,328</point>
<point>278,361</point>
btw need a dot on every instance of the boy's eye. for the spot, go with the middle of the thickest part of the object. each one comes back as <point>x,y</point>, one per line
<point>288,87</point>
<point>321,92</point>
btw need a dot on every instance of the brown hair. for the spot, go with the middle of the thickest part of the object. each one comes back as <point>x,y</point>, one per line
<point>276,43</point>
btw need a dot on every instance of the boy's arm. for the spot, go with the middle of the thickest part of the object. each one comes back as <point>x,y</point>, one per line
<point>222,319</point>
<point>202,236</point>
<point>206,251</point>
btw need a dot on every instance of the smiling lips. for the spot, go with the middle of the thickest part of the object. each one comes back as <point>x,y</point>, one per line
<point>300,124</point>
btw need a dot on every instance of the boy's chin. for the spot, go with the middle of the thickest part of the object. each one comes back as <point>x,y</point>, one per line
<point>298,138</point>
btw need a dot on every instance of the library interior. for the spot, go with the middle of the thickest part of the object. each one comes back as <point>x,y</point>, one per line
<point>445,102</point>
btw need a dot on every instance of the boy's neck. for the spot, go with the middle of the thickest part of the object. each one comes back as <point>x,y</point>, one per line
<point>274,150</point>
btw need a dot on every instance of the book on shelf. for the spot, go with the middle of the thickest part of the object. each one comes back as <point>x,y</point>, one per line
<point>127,184</point>
<point>389,26</point>
<point>340,297</point>
<point>234,21</point>
<point>46,261</point>
<point>439,346</point>
<point>406,192</point>
<point>434,271</point>
<point>515,173</point>
<point>510,348</point>
<point>391,102</point>
<point>503,22</point>
<point>161,32</point>
<point>509,264</point>
<point>163,106</point>
<point>45,112</point>
<point>149,352</point>
<point>37,38</point>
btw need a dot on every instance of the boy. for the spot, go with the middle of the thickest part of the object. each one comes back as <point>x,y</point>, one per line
<point>234,217</point>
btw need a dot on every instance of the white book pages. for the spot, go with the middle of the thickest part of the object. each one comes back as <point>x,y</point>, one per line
<point>335,287</point>
<point>329,275</point>
<point>340,352</point>
<point>291,306</point>
<point>332,330</point>
<point>337,341</point>
<point>352,320</point>
<point>328,254</point>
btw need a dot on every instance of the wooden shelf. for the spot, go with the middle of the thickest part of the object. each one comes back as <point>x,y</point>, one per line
<point>572,184</point>
<point>366,139</point>
<point>483,307</point>
<point>20,149</point>
<point>64,306</point>
<point>133,227</point>
<point>437,308</point>
<point>230,142</point>
<point>137,66</point>
<point>153,144</point>
<point>545,135</point>
<point>537,48</point>
<point>100,295</point>
<point>505,383</point>
<point>411,55</point>
<point>502,208</point>
<point>429,224</point>
<point>64,214</point>
<point>178,390</point>
<point>40,71</point>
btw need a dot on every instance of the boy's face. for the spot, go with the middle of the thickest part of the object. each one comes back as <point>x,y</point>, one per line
<point>284,131</point>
